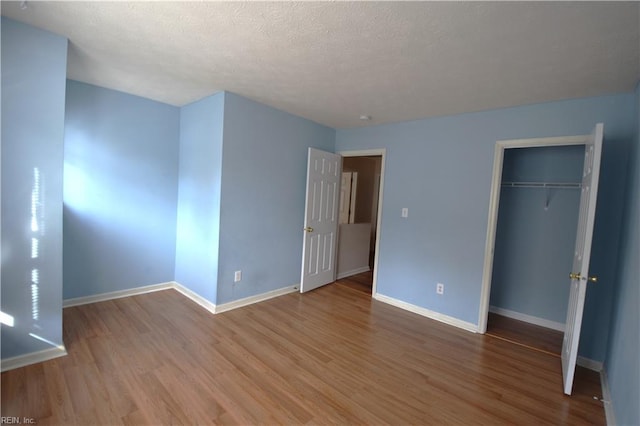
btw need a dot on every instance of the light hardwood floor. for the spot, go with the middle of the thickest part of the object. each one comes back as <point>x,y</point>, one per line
<point>525,334</point>
<point>331,356</point>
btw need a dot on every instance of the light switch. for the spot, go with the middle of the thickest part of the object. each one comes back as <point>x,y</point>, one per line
<point>405,212</point>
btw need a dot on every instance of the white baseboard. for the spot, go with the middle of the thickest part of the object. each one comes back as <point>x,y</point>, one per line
<point>606,399</point>
<point>427,313</point>
<point>589,364</point>
<point>346,274</point>
<point>32,358</point>
<point>211,307</point>
<point>255,299</point>
<point>527,318</point>
<point>116,294</point>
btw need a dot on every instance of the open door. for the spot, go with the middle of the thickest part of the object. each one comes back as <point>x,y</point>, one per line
<point>582,254</point>
<point>321,219</point>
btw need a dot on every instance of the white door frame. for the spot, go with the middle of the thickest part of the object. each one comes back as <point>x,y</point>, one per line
<point>494,203</point>
<point>382,152</point>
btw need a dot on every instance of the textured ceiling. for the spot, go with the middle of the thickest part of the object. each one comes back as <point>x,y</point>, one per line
<point>331,62</point>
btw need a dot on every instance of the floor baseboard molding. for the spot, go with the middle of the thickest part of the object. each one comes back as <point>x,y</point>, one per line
<point>606,399</point>
<point>102,297</point>
<point>32,358</point>
<point>589,364</point>
<point>257,298</point>
<point>558,326</point>
<point>346,274</point>
<point>427,313</point>
<point>195,297</point>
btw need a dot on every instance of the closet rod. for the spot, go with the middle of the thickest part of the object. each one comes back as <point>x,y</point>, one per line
<point>558,185</point>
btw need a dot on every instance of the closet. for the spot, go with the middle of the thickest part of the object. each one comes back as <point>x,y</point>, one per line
<point>535,237</point>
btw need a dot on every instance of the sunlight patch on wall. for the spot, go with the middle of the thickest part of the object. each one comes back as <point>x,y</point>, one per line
<point>42,339</point>
<point>34,248</point>
<point>75,188</point>
<point>6,319</point>
<point>37,220</point>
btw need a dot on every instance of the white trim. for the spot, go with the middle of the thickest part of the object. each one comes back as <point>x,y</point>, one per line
<point>542,142</point>
<point>427,313</point>
<point>32,358</point>
<point>102,297</point>
<point>206,304</point>
<point>255,299</point>
<point>609,412</point>
<point>346,274</point>
<point>363,152</point>
<point>366,153</point>
<point>542,322</point>
<point>589,364</point>
<point>194,297</point>
<point>494,201</point>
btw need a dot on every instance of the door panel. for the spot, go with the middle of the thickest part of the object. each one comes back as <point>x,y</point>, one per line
<point>582,255</point>
<point>321,219</point>
<point>345,197</point>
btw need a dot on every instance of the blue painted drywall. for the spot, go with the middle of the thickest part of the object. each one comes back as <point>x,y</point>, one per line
<point>536,232</point>
<point>623,356</point>
<point>547,164</point>
<point>120,191</point>
<point>441,169</point>
<point>198,227</point>
<point>34,67</point>
<point>264,167</point>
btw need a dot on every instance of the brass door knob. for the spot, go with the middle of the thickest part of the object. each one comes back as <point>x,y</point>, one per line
<point>308,229</point>
<point>577,276</point>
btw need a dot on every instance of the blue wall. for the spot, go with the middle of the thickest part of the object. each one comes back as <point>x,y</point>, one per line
<point>34,66</point>
<point>198,228</point>
<point>441,168</point>
<point>536,232</point>
<point>147,181</point>
<point>263,187</point>
<point>120,191</point>
<point>623,360</point>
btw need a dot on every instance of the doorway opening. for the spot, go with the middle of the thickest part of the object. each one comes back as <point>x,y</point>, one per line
<point>534,245</point>
<point>579,273</point>
<point>494,204</point>
<point>360,217</point>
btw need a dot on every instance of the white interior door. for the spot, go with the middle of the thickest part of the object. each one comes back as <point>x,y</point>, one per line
<point>321,219</point>
<point>582,254</point>
<point>348,190</point>
<point>345,197</point>
<point>352,198</point>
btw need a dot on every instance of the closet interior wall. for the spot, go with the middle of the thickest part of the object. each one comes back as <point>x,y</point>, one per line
<point>537,222</point>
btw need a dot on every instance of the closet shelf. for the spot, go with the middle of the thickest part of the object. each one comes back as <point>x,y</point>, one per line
<point>550,185</point>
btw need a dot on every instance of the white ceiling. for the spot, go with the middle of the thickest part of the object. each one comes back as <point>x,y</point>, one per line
<point>331,62</point>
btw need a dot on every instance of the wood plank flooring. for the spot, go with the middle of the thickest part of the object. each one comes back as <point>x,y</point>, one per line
<point>362,282</point>
<point>521,333</point>
<point>331,356</point>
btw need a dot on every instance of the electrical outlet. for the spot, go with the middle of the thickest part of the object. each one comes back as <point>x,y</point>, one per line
<point>405,212</point>
<point>440,288</point>
<point>237,276</point>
